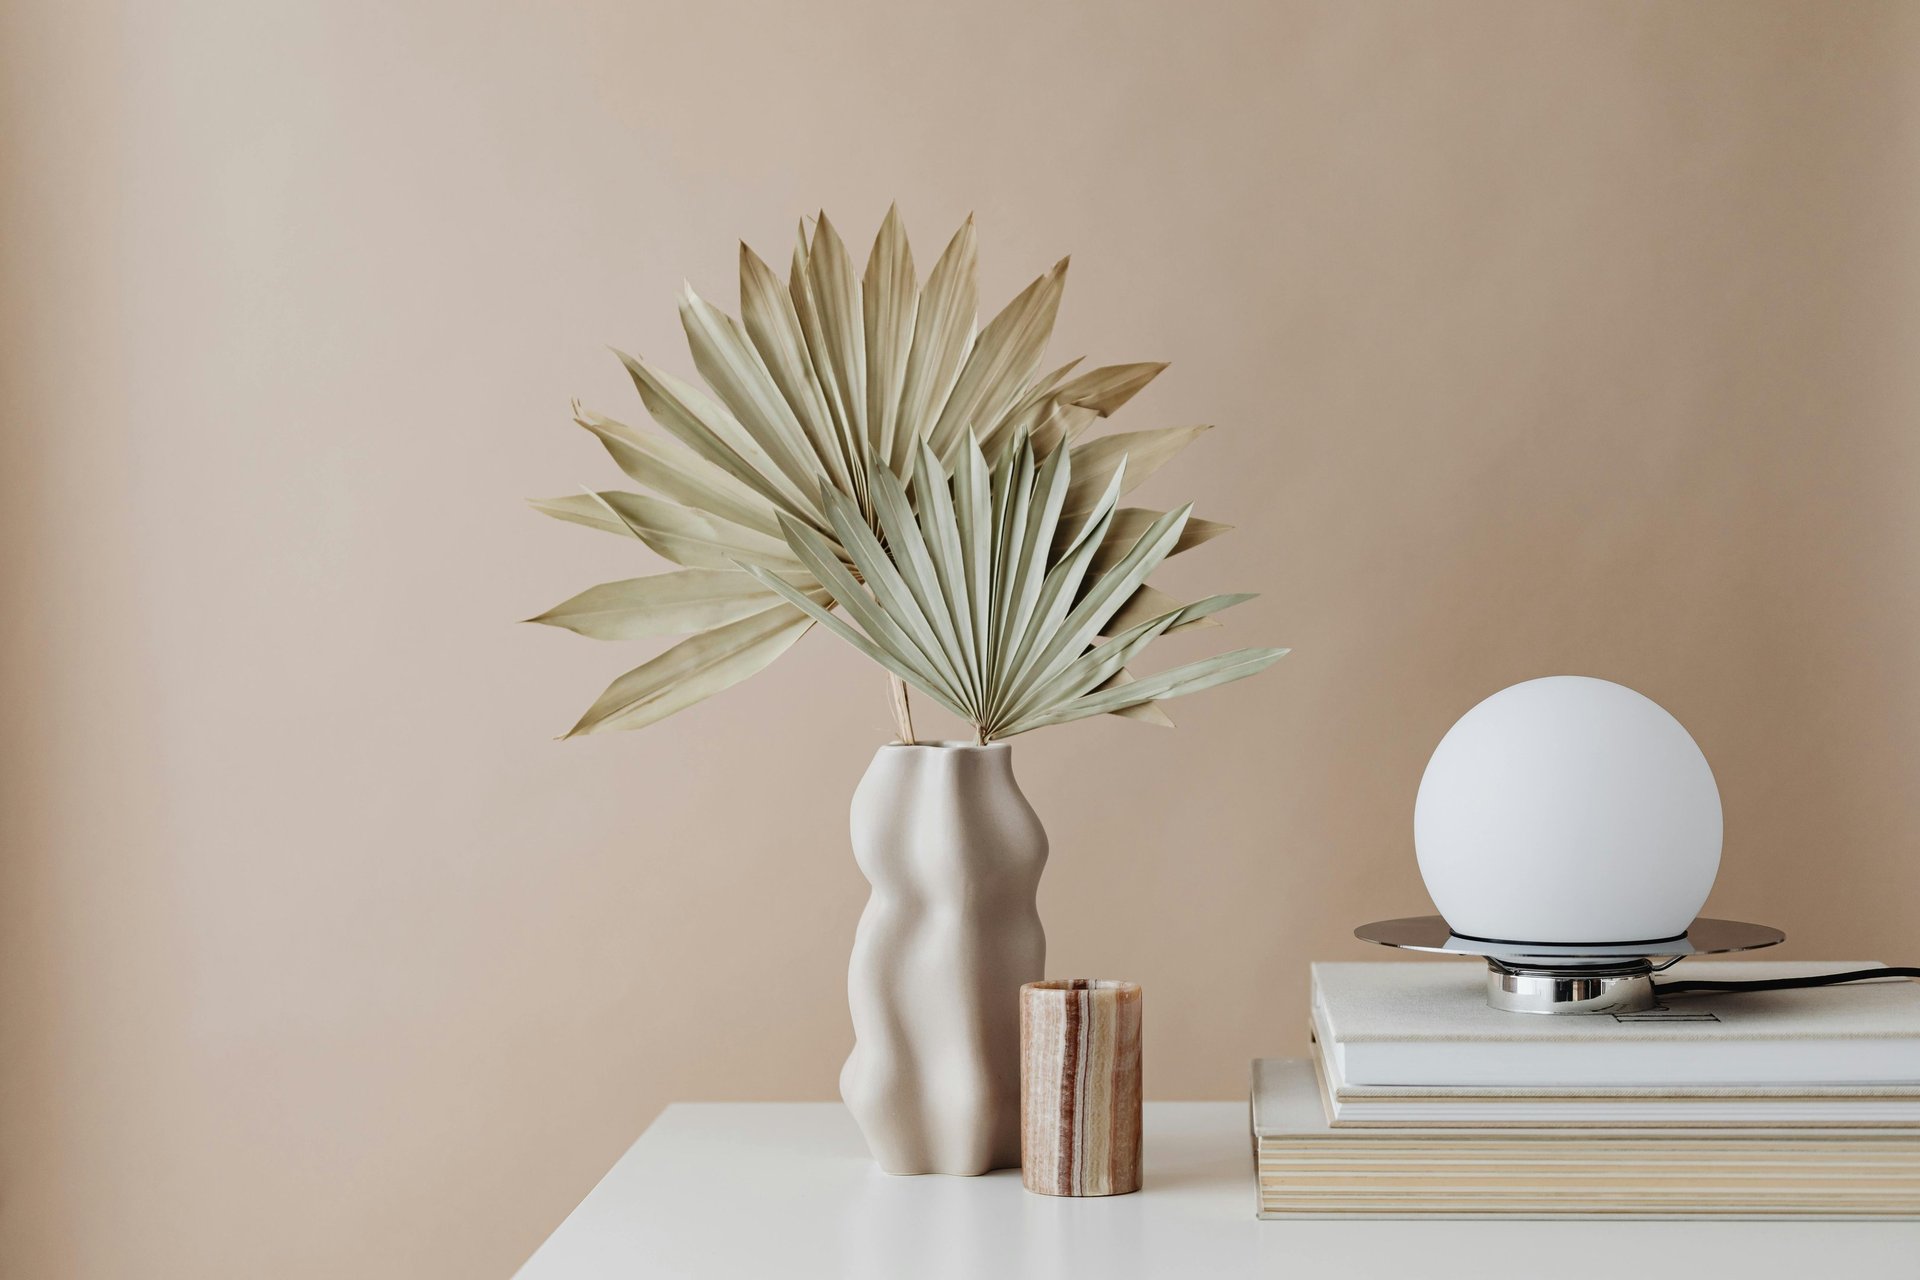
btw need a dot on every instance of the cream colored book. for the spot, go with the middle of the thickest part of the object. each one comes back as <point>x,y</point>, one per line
<point>1428,1025</point>
<point>1305,1167</point>
<point>1351,1105</point>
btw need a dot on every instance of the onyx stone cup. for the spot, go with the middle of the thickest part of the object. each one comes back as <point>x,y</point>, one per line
<point>1080,1087</point>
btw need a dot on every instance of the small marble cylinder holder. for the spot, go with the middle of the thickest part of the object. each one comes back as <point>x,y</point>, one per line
<point>1080,1087</point>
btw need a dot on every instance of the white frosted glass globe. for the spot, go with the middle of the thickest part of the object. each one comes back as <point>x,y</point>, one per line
<point>1568,810</point>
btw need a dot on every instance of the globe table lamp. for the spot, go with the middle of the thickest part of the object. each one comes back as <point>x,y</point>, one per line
<point>1568,829</point>
<point>1568,810</point>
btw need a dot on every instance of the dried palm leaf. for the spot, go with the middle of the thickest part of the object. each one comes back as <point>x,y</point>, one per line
<point>868,420</point>
<point>665,604</point>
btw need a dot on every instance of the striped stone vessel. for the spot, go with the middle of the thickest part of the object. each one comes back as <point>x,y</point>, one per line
<point>1080,1087</point>
<point>954,853</point>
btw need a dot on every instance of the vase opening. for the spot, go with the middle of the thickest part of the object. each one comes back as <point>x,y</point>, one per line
<point>950,744</point>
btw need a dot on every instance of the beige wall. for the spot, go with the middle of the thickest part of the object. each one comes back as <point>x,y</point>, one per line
<point>1543,338</point>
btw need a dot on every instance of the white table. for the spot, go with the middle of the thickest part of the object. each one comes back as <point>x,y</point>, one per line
<point>774,1191</point>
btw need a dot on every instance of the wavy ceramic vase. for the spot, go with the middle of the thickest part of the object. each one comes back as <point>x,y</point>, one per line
<point>954,853</point>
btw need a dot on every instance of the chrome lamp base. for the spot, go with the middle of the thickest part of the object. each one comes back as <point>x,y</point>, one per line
<point>1537,977</point>
<point>1570,991</point>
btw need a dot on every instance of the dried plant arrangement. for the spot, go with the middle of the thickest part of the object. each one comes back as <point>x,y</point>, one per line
<point>863,446</point>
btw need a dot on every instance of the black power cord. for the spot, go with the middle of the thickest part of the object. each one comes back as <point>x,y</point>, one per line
<point>1783,984</point>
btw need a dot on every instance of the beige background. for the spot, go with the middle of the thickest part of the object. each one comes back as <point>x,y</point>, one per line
<point>1543,338</point>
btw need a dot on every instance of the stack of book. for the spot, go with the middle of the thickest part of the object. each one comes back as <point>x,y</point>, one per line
<point>1421,1101</point>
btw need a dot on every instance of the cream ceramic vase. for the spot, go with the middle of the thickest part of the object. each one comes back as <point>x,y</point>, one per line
<point>954,854</point>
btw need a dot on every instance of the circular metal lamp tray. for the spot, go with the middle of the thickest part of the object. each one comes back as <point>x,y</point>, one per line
<point>1599,977</point>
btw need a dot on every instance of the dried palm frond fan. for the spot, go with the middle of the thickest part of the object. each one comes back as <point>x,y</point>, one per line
<point>862,448</point>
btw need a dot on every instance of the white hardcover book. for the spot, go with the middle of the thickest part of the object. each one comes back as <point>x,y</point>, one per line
<point>1351,1105</point>
<point>1428,1024</point>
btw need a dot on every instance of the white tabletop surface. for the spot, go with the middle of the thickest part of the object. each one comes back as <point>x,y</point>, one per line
<point>785,1191</point>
